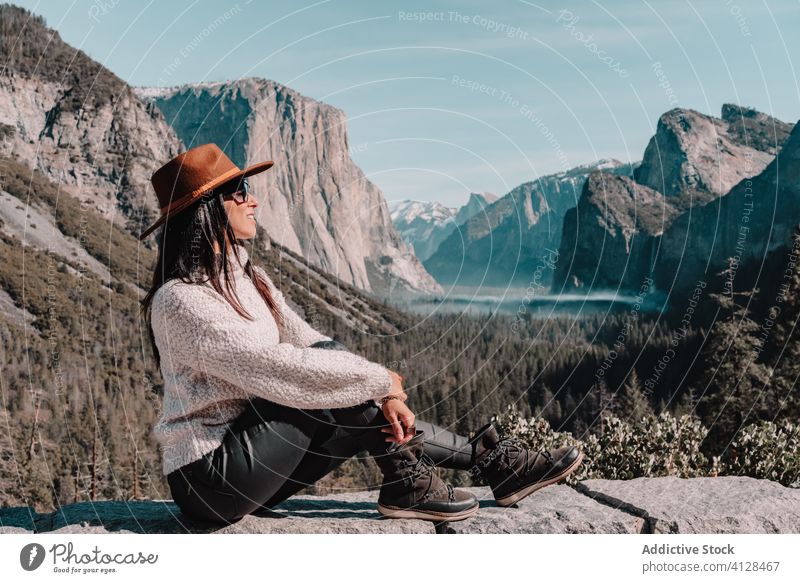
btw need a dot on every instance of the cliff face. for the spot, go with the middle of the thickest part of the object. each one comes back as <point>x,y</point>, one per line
<point>314,201</point>
<point>756,217</point>
<point>70,118</point>
<point>513,238</point>
<point>685,206</point>
<point>693,151</point>
<point>476,204</point>
<point>608,239</point>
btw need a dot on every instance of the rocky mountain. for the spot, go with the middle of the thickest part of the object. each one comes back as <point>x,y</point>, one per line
<point>609,237</point>
<point>624,231</point>
<point>316,201</point>
<point>426,224</point>
<point>69,117</point>
<point>422,224</point>
<point>752,220</point>
<point>691,151</point>
<point>476,204</point>
<point>513,239</point>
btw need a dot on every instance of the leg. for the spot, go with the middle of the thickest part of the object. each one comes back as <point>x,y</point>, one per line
<point>445,448</point>
<point>327,452</point>
<point>345,438</point>
<point>261,449</point>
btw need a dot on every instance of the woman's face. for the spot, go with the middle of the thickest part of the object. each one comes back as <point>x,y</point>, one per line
<point>241,215</point>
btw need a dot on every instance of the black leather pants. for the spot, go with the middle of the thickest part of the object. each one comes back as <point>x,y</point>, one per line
<point>271,452</point>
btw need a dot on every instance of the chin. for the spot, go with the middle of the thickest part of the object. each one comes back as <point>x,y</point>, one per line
<point>249,234</point>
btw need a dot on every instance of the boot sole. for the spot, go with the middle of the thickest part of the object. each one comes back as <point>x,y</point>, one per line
<point>395,512</point>
<point>527,490</point>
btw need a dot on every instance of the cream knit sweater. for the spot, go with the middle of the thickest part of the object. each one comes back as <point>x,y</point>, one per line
<point>213,361</point>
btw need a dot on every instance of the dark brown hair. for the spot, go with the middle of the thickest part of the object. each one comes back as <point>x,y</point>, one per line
<point>186,251</point>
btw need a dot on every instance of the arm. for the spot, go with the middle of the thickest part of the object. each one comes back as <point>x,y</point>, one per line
<point>336,345</point>
<point>295,330</point>
<point>197,327</point>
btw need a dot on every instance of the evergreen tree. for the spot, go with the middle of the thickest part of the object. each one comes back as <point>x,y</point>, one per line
<point>687,404</point>
<point>631,402</point>
<point>733,378</point>
<point>784,346</point>
<point>601,404</point>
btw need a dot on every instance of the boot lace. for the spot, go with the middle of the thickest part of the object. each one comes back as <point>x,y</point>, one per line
<point>509,450</point>
<point>424,467</point>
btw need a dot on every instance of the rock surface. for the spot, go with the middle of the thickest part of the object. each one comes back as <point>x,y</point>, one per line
<point>642,505</point>
<point>608,239</point>
<point>556,509</point>
<point>700,173</point>
<point>754,218</point>
<point>693,151</point>
<point>729,504</point>
<point>316,201</point>
<point>82,126</point>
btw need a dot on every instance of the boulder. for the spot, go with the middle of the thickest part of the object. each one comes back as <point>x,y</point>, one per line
<point>641,505</point>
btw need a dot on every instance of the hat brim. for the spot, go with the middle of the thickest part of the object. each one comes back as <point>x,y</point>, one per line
<point>190,200</point>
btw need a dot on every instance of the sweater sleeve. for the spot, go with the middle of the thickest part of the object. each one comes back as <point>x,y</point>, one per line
<point>295,330</point>
<point>197,327</point>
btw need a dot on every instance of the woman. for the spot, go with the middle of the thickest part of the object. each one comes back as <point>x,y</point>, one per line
<point>258,404</point>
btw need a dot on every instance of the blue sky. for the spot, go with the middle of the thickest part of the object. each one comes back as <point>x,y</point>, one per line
<point>445,98</point>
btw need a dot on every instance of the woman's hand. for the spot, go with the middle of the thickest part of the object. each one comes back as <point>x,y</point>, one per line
<point>397,386</point>
<point>401,421</point>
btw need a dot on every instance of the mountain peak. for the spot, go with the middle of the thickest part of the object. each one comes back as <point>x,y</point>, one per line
<point>692,151</point>
<point>32,50</point>
<point>484,197</point>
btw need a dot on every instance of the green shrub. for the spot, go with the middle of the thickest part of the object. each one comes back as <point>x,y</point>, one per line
<point>766,450</point>
<point>666,445</point>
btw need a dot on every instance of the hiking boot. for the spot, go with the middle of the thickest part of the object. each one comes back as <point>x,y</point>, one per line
<point>411,488</point>
<point>513,471</point>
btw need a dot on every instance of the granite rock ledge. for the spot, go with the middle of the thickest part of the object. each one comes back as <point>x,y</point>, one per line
<point>642,505</point>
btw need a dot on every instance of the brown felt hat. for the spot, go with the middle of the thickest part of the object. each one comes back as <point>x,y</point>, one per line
<point>188,176</point>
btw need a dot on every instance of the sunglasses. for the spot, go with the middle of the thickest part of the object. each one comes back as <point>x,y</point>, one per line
<point>237,191</point>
